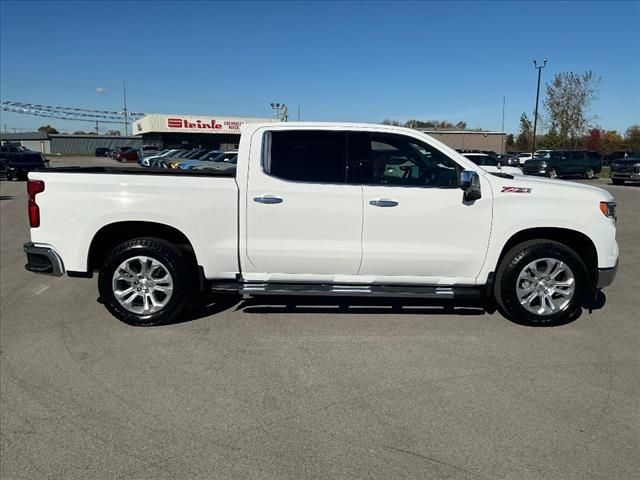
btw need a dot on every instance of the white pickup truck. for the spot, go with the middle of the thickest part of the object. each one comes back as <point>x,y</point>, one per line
<point>326,209</point>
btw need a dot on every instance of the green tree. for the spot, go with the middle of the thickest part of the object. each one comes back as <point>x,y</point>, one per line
<point>48,129</point>
<point>113,132</point>
<point>510,141</point>
<point>551,140</point>
<point>525,134</point>
<point>569,96</point>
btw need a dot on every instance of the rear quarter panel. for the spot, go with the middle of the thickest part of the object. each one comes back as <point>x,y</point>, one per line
<point>75,206</point>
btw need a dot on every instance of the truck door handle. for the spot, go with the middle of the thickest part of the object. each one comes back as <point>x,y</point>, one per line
<point>383,202</point>
<point>268,199</point>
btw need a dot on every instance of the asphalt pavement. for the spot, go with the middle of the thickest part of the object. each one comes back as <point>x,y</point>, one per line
<point>285,388</point>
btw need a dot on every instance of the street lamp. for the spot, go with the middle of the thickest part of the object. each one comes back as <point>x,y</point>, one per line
<point>535,115</point>
<point>281,111</point>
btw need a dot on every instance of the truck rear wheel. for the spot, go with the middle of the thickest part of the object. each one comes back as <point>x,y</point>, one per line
<point>541,283</point>
<point>145,282</point>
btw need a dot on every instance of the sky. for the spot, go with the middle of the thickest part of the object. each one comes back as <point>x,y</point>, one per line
<point>339,61</point>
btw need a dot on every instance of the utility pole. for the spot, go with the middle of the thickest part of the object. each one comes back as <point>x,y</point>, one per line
<point>124,91</point>
<point>298,112</point>
<point>535,114</point>
<point>97,128</point>
<point>504,99</point>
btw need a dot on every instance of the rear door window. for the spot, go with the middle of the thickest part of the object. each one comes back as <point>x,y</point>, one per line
<point>307,156</point>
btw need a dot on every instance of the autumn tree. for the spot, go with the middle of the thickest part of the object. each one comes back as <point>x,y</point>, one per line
<point>48,129</point>
<point>611,142</point>
<point>632,138</point>
<point>569,96</point>
<point>594,139</point>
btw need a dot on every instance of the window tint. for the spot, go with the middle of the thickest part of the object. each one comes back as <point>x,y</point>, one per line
<point>307,156</point>
<point>391,159</point>
<point>577,156</point>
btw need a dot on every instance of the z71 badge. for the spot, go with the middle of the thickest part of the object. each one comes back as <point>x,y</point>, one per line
<point>516,190</point>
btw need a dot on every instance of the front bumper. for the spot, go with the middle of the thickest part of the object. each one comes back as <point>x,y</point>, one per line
<point>43,260</point>
<point>606,276</point>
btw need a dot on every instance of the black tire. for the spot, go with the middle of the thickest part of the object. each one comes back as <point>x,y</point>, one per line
<point>617,181</point>
<point>515,260</point>
<point>589,173</point>
<point>170,257</point>
<point>552,173</point>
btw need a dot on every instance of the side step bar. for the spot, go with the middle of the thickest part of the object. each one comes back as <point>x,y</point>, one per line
<point>398,291</point>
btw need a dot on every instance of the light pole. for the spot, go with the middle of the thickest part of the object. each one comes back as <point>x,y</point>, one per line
<point>535,115</point>
<point>281,111</point>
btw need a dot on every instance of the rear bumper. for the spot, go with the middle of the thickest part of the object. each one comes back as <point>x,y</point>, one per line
<point>606,276</point>
<point>43,260</point>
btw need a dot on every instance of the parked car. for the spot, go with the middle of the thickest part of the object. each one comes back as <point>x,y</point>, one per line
<point>130,155</point>
<point>145,160</point>
<point>222,161</point>
<point>17,165</point>
<point>616,155</point>
<point>524,157</point>
<point>491,164</point>
<point>192,155</point>
<point>314,209</point>
<point>625,170</point>
<point>209,156</point>
<point>161,162</point>
<point>563,163</point>
<point>509,160</point>
<point>102,152</point>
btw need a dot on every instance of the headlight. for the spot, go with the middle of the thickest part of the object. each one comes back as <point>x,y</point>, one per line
<point>543,164</point>
<point>636,168</point>
<point>608,209</point>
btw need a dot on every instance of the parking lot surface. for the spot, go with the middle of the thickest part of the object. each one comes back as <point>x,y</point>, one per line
<point>288,388</point>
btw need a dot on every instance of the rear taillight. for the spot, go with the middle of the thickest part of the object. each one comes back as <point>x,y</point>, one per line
<point>33,188</point>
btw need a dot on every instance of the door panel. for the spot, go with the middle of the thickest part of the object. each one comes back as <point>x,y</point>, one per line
<point>296,226</point>
<point>431,233</point>
<point>417,227</point>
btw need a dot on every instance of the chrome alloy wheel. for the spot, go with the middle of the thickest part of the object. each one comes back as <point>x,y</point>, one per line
<point>142,285</point>
<point>545,286</point>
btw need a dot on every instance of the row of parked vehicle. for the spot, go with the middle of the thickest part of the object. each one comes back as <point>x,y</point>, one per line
<point>196,159</point>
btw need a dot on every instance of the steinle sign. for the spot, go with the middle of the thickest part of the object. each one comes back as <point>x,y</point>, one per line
<point>192,124</point>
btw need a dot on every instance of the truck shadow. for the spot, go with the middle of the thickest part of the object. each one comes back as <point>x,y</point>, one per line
<point>276,304</point>
<point>211,305</point>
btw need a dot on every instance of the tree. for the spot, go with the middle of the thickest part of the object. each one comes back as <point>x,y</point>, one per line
<point>395,123</point>
<point>48,129</point>
<point>525,134</point>
<point>550,141</point>
<point>594,139</point>
<point>612,141</point>
<point>434,124</point>
<point>113,132</point>
<point>510,141</point>
<point>80,132</point>
<point>569,96</point>
<point>632,138</point>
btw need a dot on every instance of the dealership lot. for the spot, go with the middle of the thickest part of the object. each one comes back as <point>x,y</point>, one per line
<point>291,388</point>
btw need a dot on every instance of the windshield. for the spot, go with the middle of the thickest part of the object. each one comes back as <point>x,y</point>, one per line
<point>211,155</point>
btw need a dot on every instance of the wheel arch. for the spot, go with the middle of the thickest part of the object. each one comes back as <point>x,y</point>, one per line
<point>577,241</point>
<point>113,234</point>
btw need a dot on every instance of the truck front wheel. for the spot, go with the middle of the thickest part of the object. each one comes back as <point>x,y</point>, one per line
<point>145,282</point>
<point>541,283</point>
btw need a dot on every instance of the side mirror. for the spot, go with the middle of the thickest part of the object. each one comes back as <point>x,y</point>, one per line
<point>470,184</point>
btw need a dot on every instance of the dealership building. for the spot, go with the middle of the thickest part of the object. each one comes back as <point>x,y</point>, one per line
<point>171,131</point>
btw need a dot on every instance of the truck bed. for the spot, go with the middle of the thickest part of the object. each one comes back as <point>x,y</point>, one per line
<point>142,171</point>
